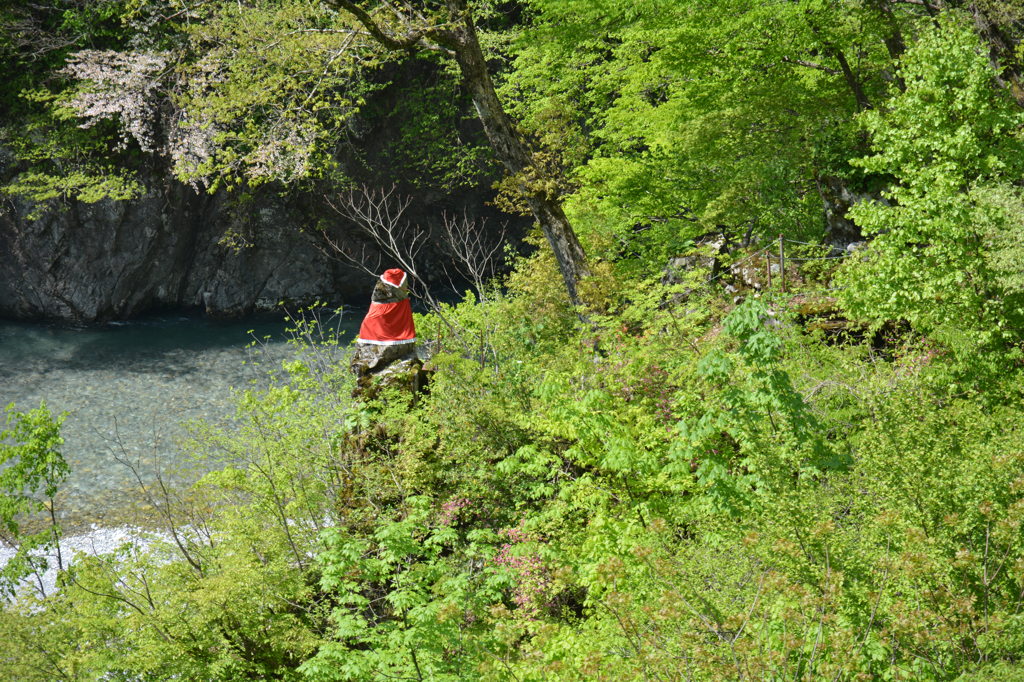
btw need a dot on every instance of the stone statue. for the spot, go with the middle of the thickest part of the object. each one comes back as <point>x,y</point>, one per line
<point>386,346</point>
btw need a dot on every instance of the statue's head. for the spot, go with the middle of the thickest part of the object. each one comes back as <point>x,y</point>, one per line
<point>394,277</point>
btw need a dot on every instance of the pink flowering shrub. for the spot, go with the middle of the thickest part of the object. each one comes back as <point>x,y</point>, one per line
<point>450,510</point>
<point>534,581</point>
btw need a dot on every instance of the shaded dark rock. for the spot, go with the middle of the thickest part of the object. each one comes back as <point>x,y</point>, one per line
<point>167,249</point>
<point>838,199</point>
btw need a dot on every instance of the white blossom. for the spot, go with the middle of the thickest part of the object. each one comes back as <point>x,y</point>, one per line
<point>128,87</point>
<point>190,144</point>
<point>121,85</point>
<point>284,153</point>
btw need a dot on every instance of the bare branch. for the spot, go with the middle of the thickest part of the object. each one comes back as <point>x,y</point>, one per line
<point>380,215</point>
<point>164,496</point>
<point>812,65</point>
<point>474,251</point>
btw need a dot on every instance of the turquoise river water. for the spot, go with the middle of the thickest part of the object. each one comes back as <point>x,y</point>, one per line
<point>128,388</point>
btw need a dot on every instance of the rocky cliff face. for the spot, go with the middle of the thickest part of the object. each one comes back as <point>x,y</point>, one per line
<point>113,260</point>
<point>838,199</point>
<point>109,260</point>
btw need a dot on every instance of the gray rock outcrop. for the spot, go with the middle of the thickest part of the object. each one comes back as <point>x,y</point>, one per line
<point>405,366</point>
<point>371,359</point>
<point>838,199</point>
<point>166,249</point>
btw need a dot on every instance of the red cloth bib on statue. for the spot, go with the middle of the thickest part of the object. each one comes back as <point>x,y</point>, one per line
<point>388,324</point>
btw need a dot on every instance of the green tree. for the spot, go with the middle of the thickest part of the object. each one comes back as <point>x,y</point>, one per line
<point>32,469</point>
<point>676,119</point>
<point>951,144</point>
<point>450,28</point>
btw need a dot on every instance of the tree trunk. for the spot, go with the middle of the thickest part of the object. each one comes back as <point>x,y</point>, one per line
<point>894,42</point>
<point>851,80</point>
<point>459,39</point>
<point>1002,51</point>
<point>512,151</point>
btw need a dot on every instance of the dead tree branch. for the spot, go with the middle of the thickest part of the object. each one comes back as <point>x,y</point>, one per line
<point>474,252</point>
<point>380,215</point>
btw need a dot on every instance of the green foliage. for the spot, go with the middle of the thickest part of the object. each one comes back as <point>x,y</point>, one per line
<point>255,111</point>
<point>243,613</point>
<point>682,118</point>
<point>938,258</point>
<point>404,608</point>
<point>86,186</point>
<point>434,139</point>
<point>32,469</point>
<point>756,431</point>
<point>679,486</point>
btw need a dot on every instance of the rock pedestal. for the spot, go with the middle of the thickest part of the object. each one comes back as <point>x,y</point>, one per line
<point>396,366</point>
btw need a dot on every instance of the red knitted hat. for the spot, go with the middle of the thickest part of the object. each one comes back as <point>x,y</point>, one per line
<point>395,277</point>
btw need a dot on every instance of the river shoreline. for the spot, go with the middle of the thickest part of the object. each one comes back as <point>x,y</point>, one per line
<point>95,541</point>
<point>129,391</point>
